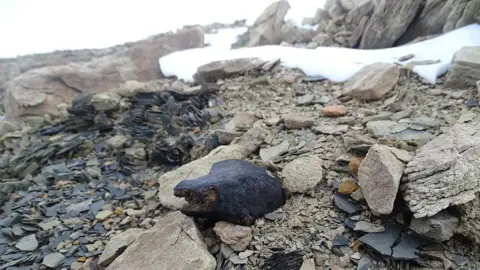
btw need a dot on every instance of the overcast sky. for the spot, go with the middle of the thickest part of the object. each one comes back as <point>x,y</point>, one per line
<point>35,26</point>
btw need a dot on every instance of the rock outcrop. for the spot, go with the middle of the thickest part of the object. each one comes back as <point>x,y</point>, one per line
<point>174,236</point>
<point>444,172</point>
<point>465,69</point>
<point>39,91</point>
<point>266,29</point>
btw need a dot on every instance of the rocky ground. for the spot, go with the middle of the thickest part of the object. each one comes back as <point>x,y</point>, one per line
<point>80,189</point>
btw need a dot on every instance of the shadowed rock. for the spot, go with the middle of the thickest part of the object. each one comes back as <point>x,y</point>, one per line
<point>234,190</point>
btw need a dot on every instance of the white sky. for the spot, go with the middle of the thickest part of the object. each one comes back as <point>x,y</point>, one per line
<point>36,26</point>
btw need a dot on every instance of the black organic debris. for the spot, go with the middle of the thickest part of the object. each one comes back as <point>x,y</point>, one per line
<point>234,190</point>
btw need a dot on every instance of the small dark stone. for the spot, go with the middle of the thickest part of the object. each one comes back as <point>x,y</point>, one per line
<point>344,204</point>
<point>235,190</point>
<point>382,242</point>
<point>340,240</point>
<point>405,250</point>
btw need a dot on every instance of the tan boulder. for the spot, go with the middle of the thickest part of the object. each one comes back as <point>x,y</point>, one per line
<point>173,243</point>
<point>39,91</point>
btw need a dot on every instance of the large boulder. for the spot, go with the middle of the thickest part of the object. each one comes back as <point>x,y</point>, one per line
<point>465,69</point>
<point>266,29</point>
<point>389,21</point>
<point>173,243</point>
<point>444,172</point>
<point>372,82</point>
<point>39,91</point>
<point>441,16</point>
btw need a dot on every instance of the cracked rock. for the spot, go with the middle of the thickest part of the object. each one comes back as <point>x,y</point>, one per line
<point>440,227</point>
<point>379,177</point>
<point>444,172</point>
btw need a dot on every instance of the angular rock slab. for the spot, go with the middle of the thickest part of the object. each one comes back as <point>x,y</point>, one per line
<point>117,243</point>
<point>379,177</point>
<point>173,243</point>
<point>235,191</point>
<point>223,69</point>
<point>444,172</point>
<point>439,227</point>
<point>246,145</point>
<point>372,82</point>
<point>470,219</point>
<point>465,70</point>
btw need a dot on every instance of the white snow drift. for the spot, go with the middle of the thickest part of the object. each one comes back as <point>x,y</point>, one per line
<point>335,64</point>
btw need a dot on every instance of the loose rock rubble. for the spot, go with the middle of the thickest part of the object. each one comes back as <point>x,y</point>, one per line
<point>269,168</point>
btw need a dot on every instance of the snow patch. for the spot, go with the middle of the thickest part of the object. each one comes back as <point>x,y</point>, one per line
<point>335,64</point>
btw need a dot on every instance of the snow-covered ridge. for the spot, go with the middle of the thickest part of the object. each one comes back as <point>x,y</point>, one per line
<point>335,64</point>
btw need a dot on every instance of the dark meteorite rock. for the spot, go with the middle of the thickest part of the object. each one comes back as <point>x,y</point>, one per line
<point>234,190</point>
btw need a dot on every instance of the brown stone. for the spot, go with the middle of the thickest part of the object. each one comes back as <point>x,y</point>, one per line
<point>354,164</point>
<point>334,110</point>
<point>298,121</point>
<point>236,236</point>
<point>348,187</point>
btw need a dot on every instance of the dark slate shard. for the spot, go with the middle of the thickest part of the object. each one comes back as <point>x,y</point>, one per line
<point>340,240</point>
<point>235,190</point>
<point>313,78</point>
<point>350,224</point>
<point>284,261</point>
<point>382,242</point>
<point>4,239</point>
<point>344,204</point>
<point>96,206</point>
<point>472,103</point>
<point>405,250</point>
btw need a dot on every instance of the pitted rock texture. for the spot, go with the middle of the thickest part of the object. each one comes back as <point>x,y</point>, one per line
<point>444,172</point>
<point>470,219</point>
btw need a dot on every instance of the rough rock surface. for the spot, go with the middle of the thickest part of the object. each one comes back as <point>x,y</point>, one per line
<point>372,82</point>
<point>444,172</point>
<point>465,69</point>
<point>174,236</point>
<point>470,219</point>
<point>389,21</point>
<point>222,69</point>
<point>302,174</point>
<point>39,91</point>
<point>236,236</point>
<point>441,16</point>
<point>379,177</point>
<point>117,244</point>
<point>440,227</point>
<point>266,29</point>
<point>245,145</point>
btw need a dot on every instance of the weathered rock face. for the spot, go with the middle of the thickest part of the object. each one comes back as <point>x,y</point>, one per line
<point>465,69</point>
<point>389,21</point>
<point>372,82</point>
<point>441,16</point>
<point>303,174</point>
<point>240,149</point>
<point>39,91</point>
<point>444,172</point>
<point>267,28</point>
<point>440,227</point>
<point>235,191</point>
<point>117,244</point>
<point>174,236</point>
<point>217,70</point>
<point>470,219</point>
<point>379,177</point>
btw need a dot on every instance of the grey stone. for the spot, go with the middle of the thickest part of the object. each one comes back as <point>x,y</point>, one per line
<point>470,219</point>
<point>173,237</point>
<point>303,174</point>
<point>226,137</point>
<point>444,172</point>
<point>439,227</point>
<point>382,242</point>
<point>364,263</point>
<point>331,130</point>
<point>465,68</point>
<point>223,69</point>
<point>235,259</point>
<point>53,260</point>
<point>379,177</point>
<point>50,224</point>
<point>368,227</point>
<point>7,127</point>
<point>298,121</point>
<point>385,127</point>
<point>117,244</point>
<point>27,243</point>
<point>345,205</point>
<point>308,265</point>
<point>388,22</point>
<point>407,248</point>
<point>372,82</point>
<point>274,152</point>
